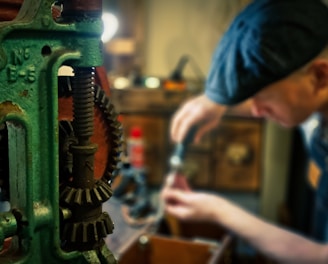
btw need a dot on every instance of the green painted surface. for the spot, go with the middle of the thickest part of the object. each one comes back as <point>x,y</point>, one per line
<point>32,48</point>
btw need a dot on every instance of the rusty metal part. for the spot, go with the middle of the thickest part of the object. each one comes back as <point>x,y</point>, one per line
<point>84,223</point>
<point>80,192</point>
<point>9,9</point>
<point>99,194</point>
<point>112,131</point>
<point>83,103</point>
<point>79,7</point>
<point>115,131</point>
<point>84,232</point>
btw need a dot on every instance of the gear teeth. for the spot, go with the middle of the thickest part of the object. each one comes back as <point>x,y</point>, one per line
<point>117,146</point>
<point>87,232</point>
<point>117,143</point>
<point>104,188</point>
<point>83,232</point>
<point>88,198</point>
<point>112,117</point>
<point>108,176</point>
<point>103,100</point>
<point>97,93</point>
<point>113,125</point>
<point>76,196</point>
<point>112,167</point>
<point>115,129</point>
<point>115,132</point>
<point>109,107</point>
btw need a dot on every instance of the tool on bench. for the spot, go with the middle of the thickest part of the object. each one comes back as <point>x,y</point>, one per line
<point>176,163</point>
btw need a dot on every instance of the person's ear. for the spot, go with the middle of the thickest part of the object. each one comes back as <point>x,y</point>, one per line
<point>319,70</point>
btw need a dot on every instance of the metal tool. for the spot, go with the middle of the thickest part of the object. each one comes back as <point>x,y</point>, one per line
<point>176,163</point>
<point>55,213</point>
<point>177,158</point>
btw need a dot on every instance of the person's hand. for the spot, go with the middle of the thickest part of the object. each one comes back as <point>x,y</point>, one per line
<point>199,111</point>
<point>189,205</point>
<point>177,180</point>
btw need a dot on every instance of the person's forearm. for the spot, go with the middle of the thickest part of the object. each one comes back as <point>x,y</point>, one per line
<point>276,243</point>
<point>242,109</point>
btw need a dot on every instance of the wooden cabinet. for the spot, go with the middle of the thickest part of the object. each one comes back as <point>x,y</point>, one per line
<point>229,158</point>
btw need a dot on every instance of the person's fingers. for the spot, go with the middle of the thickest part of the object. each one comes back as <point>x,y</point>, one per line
<point>176,123</point>
<point>176,202</point>
<point>204,128</point>
<point>184,118</point>
<point>198,111</point>
<point>181,182</point>
<point>180,113</point>
<point>191,119</point>
<point>169,179</point>
<point>180,123</point>
<point>174,195</point>
<point>181,212</point>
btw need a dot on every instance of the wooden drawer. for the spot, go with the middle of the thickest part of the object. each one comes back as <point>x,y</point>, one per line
<point>198,168</point>
<point>142,100</point>
<point>238,155</point>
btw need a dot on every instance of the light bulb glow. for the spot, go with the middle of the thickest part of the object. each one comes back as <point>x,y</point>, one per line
<point>110,26</point>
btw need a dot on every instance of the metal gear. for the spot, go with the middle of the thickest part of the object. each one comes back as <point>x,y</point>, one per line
<point>85,232</point>
<point>74,196</point>
<point>113,131</point>
<point>77,231</point>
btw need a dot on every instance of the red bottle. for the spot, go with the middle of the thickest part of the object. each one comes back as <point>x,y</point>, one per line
<point>135,148</point>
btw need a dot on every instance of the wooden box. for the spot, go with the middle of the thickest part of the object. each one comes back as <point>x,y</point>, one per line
<point>157,249</point>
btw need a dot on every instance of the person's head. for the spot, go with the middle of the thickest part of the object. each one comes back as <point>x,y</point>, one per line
<point>273,51</point>
<point>291,100</point>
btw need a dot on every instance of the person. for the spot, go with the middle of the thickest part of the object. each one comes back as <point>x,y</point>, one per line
<point>272,62</point>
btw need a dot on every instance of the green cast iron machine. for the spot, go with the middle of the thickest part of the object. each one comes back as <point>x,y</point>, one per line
<point>48,159</point>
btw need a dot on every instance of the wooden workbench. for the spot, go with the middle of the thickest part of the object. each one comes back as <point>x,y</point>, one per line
<point>192,244</point>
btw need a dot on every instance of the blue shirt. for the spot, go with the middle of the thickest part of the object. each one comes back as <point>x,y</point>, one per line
<point>317,139</point>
